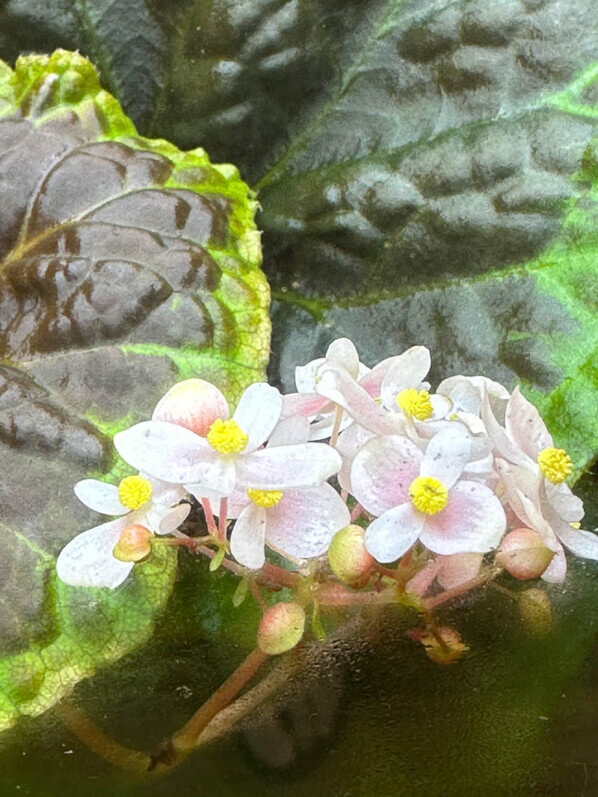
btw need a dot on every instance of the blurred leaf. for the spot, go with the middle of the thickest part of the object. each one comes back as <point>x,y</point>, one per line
<point>125,264</point>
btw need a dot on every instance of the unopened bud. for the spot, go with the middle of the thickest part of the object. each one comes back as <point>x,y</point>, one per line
<point>194,404</point>
<point>523,554</point>
<point>134,544</point>
<point>536,611</point>
<point>281,628</point>
<point>350,561</point>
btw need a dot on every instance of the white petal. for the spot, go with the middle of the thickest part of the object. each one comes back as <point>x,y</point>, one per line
<point>500,439</point>
<point>164,450</point>
<point>581,543</point>
<point>282,467</point>
<point>472,522</point>
<point>305,520</point>
<point>441,407</point>
<point>100,496</point>
<point>258,412</point>
<point>290,430</point>
<point>562,500</point>
<point>459,568</point>
<point>462,392</point>
<point>343,353</point>
<point>408,370</point>
<point>238,500</point>
<point>349,443</point>
<point>321,427</point>
<point>557,569</point>
<point>305,375</point>
<point>382,472</point>
<point>394,532</point>
<point>87,560</point>
<point>165,520</point>
<point>164,493</point>
<point>247,537</point>
<point>525,427</point>
<point>447,455</point>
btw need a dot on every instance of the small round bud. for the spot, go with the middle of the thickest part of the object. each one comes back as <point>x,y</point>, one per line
<point>134,544</point>
<point>523,554</point>
<point>194,404</point>
<point>281,628</point>
<point>351,563</point>
<point>536,611</point>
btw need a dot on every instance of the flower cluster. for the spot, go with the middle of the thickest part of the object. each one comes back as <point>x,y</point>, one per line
<point>451,485</point>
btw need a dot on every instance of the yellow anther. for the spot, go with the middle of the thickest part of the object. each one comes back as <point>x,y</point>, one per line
<point>428,494</point>
<point>134,492</point>
<point>415,403</point>
<point>227,437</point>
<point>555,464</point>
<point>265,498</point>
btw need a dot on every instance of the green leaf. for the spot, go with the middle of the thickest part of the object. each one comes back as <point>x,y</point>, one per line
<point>125,264</point>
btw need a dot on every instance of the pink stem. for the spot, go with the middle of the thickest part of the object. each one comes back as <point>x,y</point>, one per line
<point>211,523</point>
<point>356,512</point>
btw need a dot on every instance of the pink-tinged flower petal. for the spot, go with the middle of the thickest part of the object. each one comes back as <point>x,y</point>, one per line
<point>447,455</point>
<point>305,520</point>
<point>525,427</point>
<point>349,443</point>
<point>458,569</point>
<point>505,447</point>
<point>305,404</point>
<point>342,353</point>
<point>282,467</point>
<point>337,386</point>
<point>557,569</point>
<point>407,370</point>
<point>248,537</point>
<point>289,431</point>
<point>164,493</point>
<point>322,427</point>
<point>382,472</point>
<point>472,522</point>
<point>238,500</point>
<point>463,394</point>
<point>87,560</point>
<point>100,496</point>
<point>581,543</point>
<point>165,520</point>
<point>258,412</point>
<point>394,532</point>
<point>305,375</point>
<point>422,581</point>
<point>194,404</point>
<point>568,506</point>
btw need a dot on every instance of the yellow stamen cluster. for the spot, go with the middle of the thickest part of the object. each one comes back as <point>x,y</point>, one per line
<point>227,437</point>
<point>428,494</point>
<point>555,464</point>
<point>134,492</point>
<point>415,403</point>
<point>265,498</point>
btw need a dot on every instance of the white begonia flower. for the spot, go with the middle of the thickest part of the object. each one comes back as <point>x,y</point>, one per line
<point>465,396</point>
<point>87,560</point>
<point>421,496</point>
<point>231,452</point>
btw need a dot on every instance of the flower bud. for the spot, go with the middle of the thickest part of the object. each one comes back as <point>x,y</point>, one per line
<point>523,554</point>
<point>535,610</point>
<point>194,404</point>
<point>281,628</point>
<point>350,561</point>
<point>134,544</point>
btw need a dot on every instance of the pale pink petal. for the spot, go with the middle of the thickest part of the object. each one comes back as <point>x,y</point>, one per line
<point>348,444</point>
<point>290,430</point>
<point>458,568</point>
<point>87,560</point>
<point>321,427</point>
<point>248,536</point>
<point>258,412</point>
<point>581,543</point>
<point>557,569</point>
<point>342,352</point>
<point>165,520</point>
<point>164,493</point>
<point>100,496</point>
<point>305,404</point>
<point>503,444</point>
<point>422,581</point>
<point>472,522</point>
<point>305,375</point>
<point>382,472</point>
<point>525,427</point>
<point>281,467</point>
<point>238,500</point>
<point>194,404</point>
<point>447,455</point>
<point>463,394</point>
<point>562,500</point>
<point>394,532</point>
<point>407,370</point>
<point>305,520</point>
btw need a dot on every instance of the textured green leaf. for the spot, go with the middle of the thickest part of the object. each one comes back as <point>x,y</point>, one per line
<point>125,264</point>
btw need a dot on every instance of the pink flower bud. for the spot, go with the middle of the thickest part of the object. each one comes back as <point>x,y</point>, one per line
<point>134,544</point>
<point>194,404</point>
<point>281,628</point>
<point>350,561</point>
<point>535,610</point>
<point>523,554</point>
